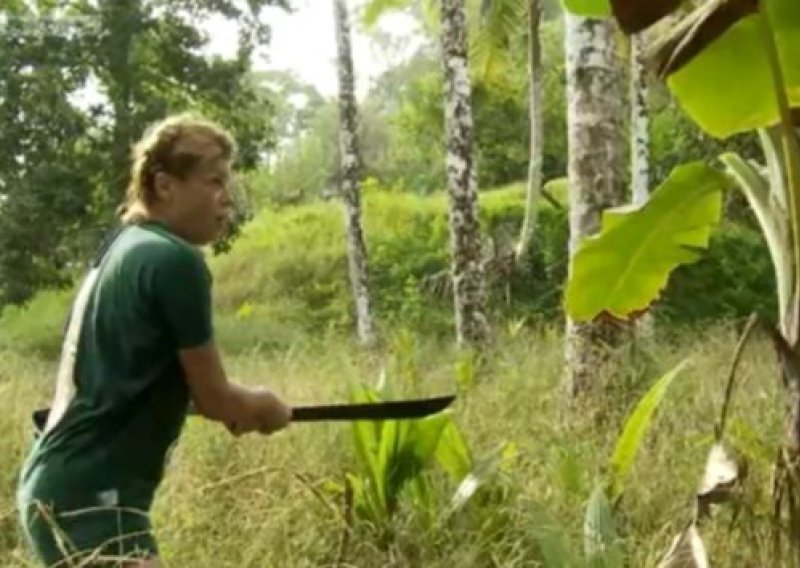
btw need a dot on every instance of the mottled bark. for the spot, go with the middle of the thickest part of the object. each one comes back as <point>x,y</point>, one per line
<point>468,275</point>
<point>596,164</point>
<point>350,172</point>
<point>640,137</point>
<point>536,116</point>
<point>640,147</point>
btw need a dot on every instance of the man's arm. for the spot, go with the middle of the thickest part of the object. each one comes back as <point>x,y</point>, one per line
<point>241,409</point>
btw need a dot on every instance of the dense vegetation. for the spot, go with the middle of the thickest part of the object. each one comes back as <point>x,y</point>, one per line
<point>510,477</point>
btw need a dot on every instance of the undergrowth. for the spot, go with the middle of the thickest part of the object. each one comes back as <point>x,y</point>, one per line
<point>278,501</point>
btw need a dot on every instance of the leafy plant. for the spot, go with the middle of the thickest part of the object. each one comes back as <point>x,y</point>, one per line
<point>601,547</point>
<point>637,247</point>
<point>394,456</point>
<point>703,60</point>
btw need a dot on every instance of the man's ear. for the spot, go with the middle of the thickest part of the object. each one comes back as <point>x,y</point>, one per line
<point>163,186</point>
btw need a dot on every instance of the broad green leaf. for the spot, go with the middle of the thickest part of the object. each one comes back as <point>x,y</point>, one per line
<point>600,533</point>
<point>453,452</point>
<point>366,434</point>
<point>392,438</point>
<point>727,87</point>
<point>416,450</point>
<point>634,430</point>
<point>625,267</point>
<point>588,8</point>
<point>426,436</point>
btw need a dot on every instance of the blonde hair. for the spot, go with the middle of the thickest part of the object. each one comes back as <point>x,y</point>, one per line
<point>175,145</point>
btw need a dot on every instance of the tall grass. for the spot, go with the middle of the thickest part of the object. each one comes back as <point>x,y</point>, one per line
<point>277,501</point>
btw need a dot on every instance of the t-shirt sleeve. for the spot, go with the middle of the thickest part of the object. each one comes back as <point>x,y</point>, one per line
<point>182,291</point>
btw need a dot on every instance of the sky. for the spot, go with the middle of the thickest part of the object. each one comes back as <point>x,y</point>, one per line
<point>305,42</point>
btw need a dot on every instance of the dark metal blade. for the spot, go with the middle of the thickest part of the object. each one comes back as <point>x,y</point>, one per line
<point>389,410</point>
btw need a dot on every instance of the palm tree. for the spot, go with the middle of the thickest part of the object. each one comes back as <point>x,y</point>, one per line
<point>595,170</point>
<point>349,176</point>
<point>467,259</point>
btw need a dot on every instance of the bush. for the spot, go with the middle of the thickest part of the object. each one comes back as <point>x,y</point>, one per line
<point>285,278</point>
<point>36,328</point>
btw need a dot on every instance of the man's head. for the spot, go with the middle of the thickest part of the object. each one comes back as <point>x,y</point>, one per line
<point>181,175</point>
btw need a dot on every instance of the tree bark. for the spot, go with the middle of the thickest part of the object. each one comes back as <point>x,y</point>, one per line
<point>350,172</point>
<point>640,123</point>
<point>469,287</point>
<point>595,169</point>
<point>640,147</point>
<point>537,129</point>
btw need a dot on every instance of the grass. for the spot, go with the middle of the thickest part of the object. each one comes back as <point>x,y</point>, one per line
<point>276,501</point>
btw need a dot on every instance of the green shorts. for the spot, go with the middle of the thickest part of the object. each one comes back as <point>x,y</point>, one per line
<point>110,526</point>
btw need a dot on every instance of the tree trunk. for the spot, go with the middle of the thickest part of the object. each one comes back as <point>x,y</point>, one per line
<point>595,169</point>
<point>640,147</point>
<point>640,136</point>
<point>469,287</point>
<point>350,171</point>
<point>537,129</point>
<point>123,20</point>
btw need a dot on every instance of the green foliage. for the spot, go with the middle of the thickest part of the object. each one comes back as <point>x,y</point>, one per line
<point>394,456</point>
<point>64,162</point>
<point>36,329</point>
<point>734,279</point>
<point>634,430</point>
<point>270,488</point>
<point>45,159</point>
<point>713,53</point>
<point>285,278</point>
<point>625,267</point>
<point>739,52</point>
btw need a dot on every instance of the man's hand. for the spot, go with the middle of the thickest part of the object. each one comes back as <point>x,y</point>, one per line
<point>241,409</point>
<point>276,414</point>
<point>263,412</point>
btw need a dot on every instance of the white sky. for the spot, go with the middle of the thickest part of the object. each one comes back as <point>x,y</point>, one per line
<point>304,42</point>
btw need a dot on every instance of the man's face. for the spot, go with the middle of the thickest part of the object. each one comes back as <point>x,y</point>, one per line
<point>198,207</point>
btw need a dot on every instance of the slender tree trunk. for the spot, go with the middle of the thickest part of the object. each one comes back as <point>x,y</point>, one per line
<point>596,164</point>
<point>640,123</point>
<point>469,287</point>
<point>640,147</point>
<point>124,19</point>
<point>537,129</point>
<point>350,171</point>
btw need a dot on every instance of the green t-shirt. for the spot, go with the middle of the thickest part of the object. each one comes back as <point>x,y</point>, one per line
<point>152,297</point>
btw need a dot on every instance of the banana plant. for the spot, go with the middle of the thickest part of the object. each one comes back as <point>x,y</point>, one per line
<point>733,66</point>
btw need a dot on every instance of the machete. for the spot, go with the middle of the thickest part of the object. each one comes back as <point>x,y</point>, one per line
<point>385,410</point>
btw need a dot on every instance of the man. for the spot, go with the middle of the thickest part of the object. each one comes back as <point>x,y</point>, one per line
<point>138,351</point>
